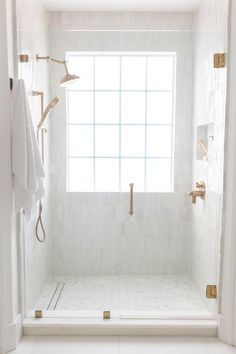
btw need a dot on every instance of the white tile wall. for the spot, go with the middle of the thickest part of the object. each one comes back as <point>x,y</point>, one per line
<point>209,106</point>
<point>93,233</point>
<point>32,38</point>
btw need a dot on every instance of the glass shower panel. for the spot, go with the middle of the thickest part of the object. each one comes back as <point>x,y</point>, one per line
<point>128,143</point>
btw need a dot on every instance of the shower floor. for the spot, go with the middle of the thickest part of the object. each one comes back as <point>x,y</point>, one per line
<point>120,293</point>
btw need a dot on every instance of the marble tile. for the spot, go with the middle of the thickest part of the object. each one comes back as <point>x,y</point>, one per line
<point>124,293</point>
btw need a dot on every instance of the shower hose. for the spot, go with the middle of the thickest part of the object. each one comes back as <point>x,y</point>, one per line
<point>39,223</point>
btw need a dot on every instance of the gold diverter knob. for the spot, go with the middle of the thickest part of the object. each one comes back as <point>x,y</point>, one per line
<point>199,192</point>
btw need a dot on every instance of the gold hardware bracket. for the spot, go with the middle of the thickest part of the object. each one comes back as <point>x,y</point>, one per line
<point>211,291</point>
<point>24,58</point>
<point>106,315</point>
<point>199,192</point>
<point>38,314</point>
<point>219,60</point>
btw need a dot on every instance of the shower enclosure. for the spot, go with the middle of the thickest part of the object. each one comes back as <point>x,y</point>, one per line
<point>142,128</point>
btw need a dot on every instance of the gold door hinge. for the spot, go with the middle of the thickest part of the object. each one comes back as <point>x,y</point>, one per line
<point>106,315</point>
<point>211,291</point>
<point>219,60</point>
<point>38,314</point>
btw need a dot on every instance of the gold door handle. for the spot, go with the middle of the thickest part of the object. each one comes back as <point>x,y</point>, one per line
<point>131,207</point>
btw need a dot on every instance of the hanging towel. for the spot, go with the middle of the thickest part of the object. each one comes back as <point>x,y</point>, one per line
<point>27,168</point>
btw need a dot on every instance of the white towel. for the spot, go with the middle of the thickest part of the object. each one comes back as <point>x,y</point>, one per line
<point>27,167</point>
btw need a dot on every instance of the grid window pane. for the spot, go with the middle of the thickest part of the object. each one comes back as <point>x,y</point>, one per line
<point>159,141</point>
<point>83,66</point>
<point>158,175</point>
<point>107,107</point>
<point>133,107</point>
<point>106,141</point>
<point>132,141</point>
<point>159,107</point>
<point>80,140</point>
<point>107,73</point>
<point>107,175</point>
<point>81,172</point>
<point>80,107</point>
<point>120,122</point>
<point>132,171</point>
<point>160,73</point>
<point>133,73</point>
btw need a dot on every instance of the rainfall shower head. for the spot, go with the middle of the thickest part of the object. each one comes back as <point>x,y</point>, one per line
<point>68,78</point>
<point>51,105</point>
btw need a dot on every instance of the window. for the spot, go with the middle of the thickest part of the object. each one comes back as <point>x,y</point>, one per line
<point>120,122</point>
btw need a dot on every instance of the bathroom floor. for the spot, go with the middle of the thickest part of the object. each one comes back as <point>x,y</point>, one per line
<point>122,345</point>
<point>127,293</point>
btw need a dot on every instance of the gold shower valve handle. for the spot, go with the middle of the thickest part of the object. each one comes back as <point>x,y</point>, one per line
<point>199,192</point>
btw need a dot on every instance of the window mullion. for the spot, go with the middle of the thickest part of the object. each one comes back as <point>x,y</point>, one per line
<point>94,128</point>
<point>120,129</point>
<point>145,149</point>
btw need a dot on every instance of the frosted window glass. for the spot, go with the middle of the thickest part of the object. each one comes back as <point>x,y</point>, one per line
<point>160,73</point>
<point>80,140</point>
<point>107,175</point>
<point>159,107</point>
<point>133,107</point>
<point>107,107</point>
<point>132,141</point>
<point>132,171</point>
<point>81,174</point>
<point>83,66</point>
<point>158,175</point>
<point>120,121</point>
<point>159,141</point>
<point>107,73</point>
<point>133,73</point>
<point>107,141</point>
<point>80,107</point>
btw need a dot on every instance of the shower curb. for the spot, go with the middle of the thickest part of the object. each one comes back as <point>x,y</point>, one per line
<point>75,327</point>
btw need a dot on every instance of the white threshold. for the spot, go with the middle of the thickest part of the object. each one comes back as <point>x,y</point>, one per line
<point>121,323</point>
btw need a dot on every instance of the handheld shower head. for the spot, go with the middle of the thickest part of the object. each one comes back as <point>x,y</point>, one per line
<point>51,105</point>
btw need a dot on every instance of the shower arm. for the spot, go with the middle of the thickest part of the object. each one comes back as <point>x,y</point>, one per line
<point>49,59</point>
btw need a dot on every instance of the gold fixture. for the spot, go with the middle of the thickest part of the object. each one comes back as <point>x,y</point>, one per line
<point>211,291</point>
<point>131,209</point>
<point>41,130</point>
<point>219,60</point>
<point>45,112</point>
<point>106,315</point>
<point>38,314</point>
<point>68,78</point>
<point>24,58</point>
<point>199,192</point>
